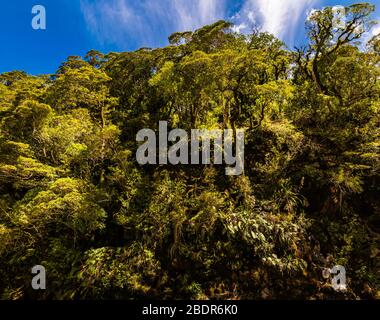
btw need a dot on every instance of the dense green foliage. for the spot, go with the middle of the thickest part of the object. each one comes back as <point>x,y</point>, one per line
<point>73,198</point>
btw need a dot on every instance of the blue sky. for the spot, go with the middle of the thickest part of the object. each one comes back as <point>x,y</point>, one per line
<point>77,26</point>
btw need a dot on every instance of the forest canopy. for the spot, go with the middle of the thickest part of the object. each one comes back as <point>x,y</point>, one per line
<point>74,199</point>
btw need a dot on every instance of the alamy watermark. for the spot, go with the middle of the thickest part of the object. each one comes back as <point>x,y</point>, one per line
<point>339,16</point>
<point>196,150</point>
<point>39,280</point>
<point>39,19</point>
<point>338,280</point>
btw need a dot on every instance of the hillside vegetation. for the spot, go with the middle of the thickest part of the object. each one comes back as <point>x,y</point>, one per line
<point>74,199</point>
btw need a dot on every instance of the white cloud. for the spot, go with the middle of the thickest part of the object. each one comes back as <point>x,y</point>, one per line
<point>131,23</point>
<point>239,27</point>
<point>279,17</point>
<point>147,22</point>
<point>375,31</point>
<point>369,34</point>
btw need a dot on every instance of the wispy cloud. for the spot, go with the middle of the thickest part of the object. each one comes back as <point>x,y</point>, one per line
<point>129,23</point>
<point>375,31</point>
<point>372,32</point>
<point>281,18</point>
